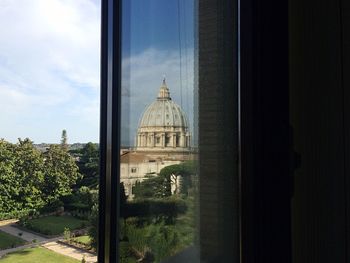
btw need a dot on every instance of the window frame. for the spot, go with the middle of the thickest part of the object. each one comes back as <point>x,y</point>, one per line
<point>265,190</point>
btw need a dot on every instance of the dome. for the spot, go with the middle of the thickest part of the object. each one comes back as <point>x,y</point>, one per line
<point>163,125</point>
<point>163,112</point>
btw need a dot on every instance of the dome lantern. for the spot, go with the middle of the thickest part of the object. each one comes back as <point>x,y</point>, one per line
<point>164,93</point>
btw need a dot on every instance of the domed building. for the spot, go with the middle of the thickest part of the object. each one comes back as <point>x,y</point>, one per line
<point>163,138</point>
<point>163,125</point>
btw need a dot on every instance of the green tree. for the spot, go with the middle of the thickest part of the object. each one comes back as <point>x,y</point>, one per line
<point>29,173</point>
<point>93,230</point>
<point>61,173</point>
<point>88,163</point>
<point>153,187</point>
<point>64,140</point>
<point>173,173</point>
<point>9,185</point>
<point>21,176</point>
<point>160,186</point>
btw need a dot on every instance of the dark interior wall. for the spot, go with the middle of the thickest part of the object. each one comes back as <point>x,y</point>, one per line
<point>218,132</point>
<point>265,139</point>
<point>319,112</point>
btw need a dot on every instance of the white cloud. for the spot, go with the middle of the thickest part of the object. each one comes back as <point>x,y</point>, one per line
<point>49,72</point>
<point>49,61</point>
<point>142,77</point>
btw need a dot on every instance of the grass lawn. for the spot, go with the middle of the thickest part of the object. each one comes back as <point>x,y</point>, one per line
<point>54,225</point>
<point>83,240</point>
<point>9,241</point>
<point>38,254</point>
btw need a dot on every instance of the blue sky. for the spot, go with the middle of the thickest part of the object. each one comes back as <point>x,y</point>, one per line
<point>151,49</point>
<point>49,65</point>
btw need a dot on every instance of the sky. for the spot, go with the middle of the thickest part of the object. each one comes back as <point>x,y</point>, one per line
<point>49,65</point>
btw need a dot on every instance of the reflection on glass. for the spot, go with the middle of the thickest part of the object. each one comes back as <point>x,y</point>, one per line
<point>158,155</point>
<point>49,131</point>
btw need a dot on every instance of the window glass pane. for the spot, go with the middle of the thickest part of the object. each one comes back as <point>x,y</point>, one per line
<point>159,155</point>
<point>179,132</point>
<point>49,151</point>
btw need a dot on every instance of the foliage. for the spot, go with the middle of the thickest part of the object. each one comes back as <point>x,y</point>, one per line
<point>66,233</point>
<point>51,206</point>
<point>88,163</point>
<point>158,209</point>
<point>153,187</point>
<point>53,225</point>
<point>174,172</point>
<point>85,240</point>
<point>64,140</point>
<point>150,242</point>
<point>61,173</point>
<point>126,253</point>
<point>84,195</point>
<point>160,186</point>
<point>77,207</point>
<point>17,214</point>
<point>154,240</point>
<point>32,180</point>
<point>93,231</point>
<point>21,176</point>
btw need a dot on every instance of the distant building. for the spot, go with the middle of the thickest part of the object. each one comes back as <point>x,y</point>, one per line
<point>163,138</point>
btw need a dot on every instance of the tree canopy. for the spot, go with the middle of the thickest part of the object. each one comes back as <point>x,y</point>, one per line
<point>159,186</point>
<point>88,163</point>
<point>29,179</point>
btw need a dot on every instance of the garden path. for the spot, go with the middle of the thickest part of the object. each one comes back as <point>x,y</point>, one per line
<point>27,236</point>
<point>70,251</point>
<point>49,243</point>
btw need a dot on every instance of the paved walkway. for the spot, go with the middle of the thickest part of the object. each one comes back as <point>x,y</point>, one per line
<point>70,251</point>
<point>49,243</point>
<point>9,221</point>
<point>27,236</point>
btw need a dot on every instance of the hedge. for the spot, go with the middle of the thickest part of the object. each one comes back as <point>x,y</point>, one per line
<point>154,208</point>
<point>17,214</point>
<point>77,207</point>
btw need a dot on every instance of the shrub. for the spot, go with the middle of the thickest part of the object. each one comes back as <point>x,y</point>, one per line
<point>66,233</point>
<point>167,209</point>
<point>17,214</point>
<point>77,207</point>
<point>69,199</point>
<point>126,253</point>
<point>52,206</point>
<point>93,231</point>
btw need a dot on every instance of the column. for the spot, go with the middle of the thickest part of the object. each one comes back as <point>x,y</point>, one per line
<point>163,140</point>
<point>183,140</point>
<point>138,140</point>
<point>153,140</point>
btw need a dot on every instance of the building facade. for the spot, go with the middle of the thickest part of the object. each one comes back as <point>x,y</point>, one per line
<point>163,138</point>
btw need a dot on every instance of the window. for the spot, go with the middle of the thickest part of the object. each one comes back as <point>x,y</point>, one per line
<point>133,169</point>
<point>157,41</point>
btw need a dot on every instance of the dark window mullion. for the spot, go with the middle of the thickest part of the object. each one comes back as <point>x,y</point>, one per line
<point>110,131</point>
